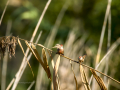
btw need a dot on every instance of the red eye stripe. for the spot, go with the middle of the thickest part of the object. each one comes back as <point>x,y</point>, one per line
<point>61,45</point>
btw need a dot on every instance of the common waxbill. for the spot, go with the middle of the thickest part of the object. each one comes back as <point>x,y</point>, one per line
<point>60,49</point>
<point>81,58</point>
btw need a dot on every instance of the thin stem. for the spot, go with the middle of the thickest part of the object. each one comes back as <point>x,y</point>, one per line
<point>111,50</point>
<point>101,38</point>
<point>28,59</point>
<point>31,85</point>
<point>108,46</point>
<point>4,11</point>
<point>5,59</point>
<point>19,73</point>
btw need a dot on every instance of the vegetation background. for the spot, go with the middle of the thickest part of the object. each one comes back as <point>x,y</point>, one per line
<point>80,27</point>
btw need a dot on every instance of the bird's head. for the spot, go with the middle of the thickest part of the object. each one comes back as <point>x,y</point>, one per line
<point>58,46</point>
<point>80,58</point>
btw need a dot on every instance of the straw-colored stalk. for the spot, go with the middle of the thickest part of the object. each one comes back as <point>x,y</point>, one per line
<point>5,59</point>
<point>37,56</point>
<point>74,76</point>
<point>27,51</point>
<point>12,81</point>
<point>56,81</point>
<point>101,38</point>
<point>99,80</point>
<point>0,25</point>
<point>49,42</point>
<point>55,71</point>
<point>110,51</point>
<point>4,71</point>
<point>113,47</point>
<point>84,78</point>
<point>51,37</point>
<point>10,84</point>
<point>108,46</point>
<point>4,12</point>
<point>25,56</point>
<point>103,32</point>
<point>29,88</point>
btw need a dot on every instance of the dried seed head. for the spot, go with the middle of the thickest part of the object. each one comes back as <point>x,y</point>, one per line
<point>8,43</point>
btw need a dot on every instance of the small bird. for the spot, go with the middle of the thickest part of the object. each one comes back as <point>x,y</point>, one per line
<point>81,58</point>
<point>60,49</point>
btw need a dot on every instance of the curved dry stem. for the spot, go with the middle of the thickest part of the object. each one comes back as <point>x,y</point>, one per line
<point>19,74</point>
<point>4,11</point>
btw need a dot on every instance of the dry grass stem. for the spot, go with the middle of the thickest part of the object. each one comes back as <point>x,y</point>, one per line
<point>84,78</point>
<point>4,12</point>
<point>36,54</point>
<point>5,59</point>
<point>51,58</point>
<point>101,73</point>
<point>39,78</point>
<point>101,38</point>
<point>22,68</point>
<point>103,31</point>
<point>40,19</point>
<point>46,63</point>
<point>108,46</point>
<point>110,51</point>
<point>28,59</point>
<point>74,76</point>
<point>25,56</point>
<point>53,32</point>
<point>99,80</point>
<point>32,38</point>
<point>10,84</point>
<point>55,71</point>
<point>4,71</point>
<point>31,85</point>
<point>53,64</point>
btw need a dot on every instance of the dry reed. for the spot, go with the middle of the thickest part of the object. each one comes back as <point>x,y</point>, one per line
<point>99,80</point>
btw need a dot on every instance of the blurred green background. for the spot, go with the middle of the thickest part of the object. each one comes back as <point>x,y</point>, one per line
<point>83,17</point>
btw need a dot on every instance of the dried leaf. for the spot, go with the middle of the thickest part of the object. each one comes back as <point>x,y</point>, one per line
<point>44,57</point>
<point>51,59</point>
<point>35,53</point>
<point>84,78</point>
<point>37,56</point>
<point>25,56</point>
<point>57,65</point>
<point>99,80</point>
<point>46,63</point>
<point>56,86</point>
